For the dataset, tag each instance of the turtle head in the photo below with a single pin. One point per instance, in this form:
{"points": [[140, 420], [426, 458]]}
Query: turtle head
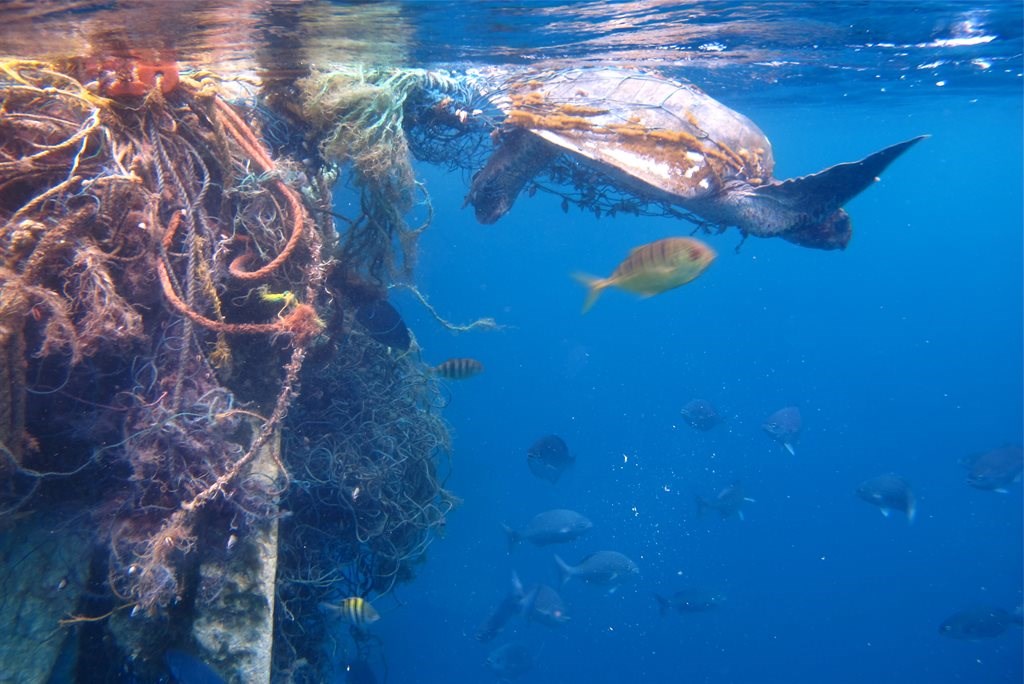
{"points": [[833, 232], [518, 158], [490, 199]]}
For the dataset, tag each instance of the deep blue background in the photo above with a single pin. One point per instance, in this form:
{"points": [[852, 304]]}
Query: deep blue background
{"points": [[903, 354]]}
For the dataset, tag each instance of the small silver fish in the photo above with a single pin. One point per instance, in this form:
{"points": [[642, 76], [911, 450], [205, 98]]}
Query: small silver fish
{"points": [[609, 568], [995, 470], [550, 527], [548, 458], [688, 600], [728, 502], [784, 427], [979, 622], [511, 661], [890, 493], [700, 415]]}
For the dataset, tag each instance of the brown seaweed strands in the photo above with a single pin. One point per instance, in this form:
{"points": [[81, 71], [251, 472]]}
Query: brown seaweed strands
{"points": [[532, 111]]}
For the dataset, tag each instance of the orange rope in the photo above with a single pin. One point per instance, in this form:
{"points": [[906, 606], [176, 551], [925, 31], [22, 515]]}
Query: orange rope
{"points": [[302, 323], [243, 135], [247, 140]]}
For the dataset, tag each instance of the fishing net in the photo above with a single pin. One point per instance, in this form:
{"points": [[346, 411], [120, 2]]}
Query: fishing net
{"points": [[133, 235], [163, 283], [358, 115], [367, 496]]}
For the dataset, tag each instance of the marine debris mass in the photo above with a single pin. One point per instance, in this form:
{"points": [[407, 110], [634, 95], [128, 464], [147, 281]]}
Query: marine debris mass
{"points": [[201, 365], [190, 366]]}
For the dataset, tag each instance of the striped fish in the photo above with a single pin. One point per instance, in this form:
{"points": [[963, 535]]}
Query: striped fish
{"points": [[459, 369], [653, 268], [354, 609]]}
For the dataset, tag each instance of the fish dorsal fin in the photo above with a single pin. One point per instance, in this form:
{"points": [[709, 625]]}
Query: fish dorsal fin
{"points": [[820, 194]]}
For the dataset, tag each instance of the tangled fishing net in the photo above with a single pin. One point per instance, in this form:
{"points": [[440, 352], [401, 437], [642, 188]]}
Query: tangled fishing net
{"points": [[164, 280], [366, 495], [359, 115], [130, 234]]}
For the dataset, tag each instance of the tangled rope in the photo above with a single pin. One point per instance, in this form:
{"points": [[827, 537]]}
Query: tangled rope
{"points": [[89, 182]]}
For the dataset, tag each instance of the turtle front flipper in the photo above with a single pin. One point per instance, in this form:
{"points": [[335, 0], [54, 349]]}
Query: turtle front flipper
{"points": [[820, 194], [520, 156], [808, 210]]}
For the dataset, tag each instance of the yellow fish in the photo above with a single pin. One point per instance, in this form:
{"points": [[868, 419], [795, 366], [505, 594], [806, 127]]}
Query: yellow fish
{"points": [[354, 609], [653, 268]]}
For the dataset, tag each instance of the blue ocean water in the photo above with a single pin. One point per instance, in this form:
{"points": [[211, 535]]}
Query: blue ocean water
{"points": [[904, 353]]}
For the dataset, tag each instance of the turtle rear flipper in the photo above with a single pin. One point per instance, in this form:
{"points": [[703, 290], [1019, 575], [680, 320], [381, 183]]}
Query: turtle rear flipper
{"points": [[820, 194]]}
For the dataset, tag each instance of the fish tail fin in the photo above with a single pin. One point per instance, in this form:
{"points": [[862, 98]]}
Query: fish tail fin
{"points": [[911, 508], [594, 287], [564, 571], [513, 537], [663, 604]]}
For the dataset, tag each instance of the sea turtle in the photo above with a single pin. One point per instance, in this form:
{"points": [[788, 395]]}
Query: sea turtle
{"points": [[667, 141]]}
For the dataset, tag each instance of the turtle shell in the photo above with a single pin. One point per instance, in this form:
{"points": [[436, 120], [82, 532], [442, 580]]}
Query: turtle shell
{"points": [[661, 137]]}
